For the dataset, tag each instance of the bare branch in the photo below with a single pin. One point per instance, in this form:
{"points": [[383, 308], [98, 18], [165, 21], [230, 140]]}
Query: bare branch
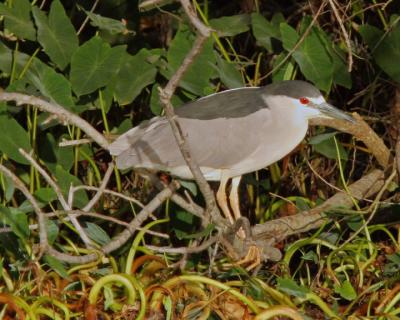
{"points": [[165, 97], [120, 239], [194, 19], [40, 215], [101, 189], [185, 250], [63, 115], [57, 190]]}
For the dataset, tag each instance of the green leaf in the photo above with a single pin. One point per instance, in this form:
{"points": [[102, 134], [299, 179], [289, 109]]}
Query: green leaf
{"points": [[93, 66], [286, 69], [197, 78], [321, 137], [65, 180], [228, 73], [9, 188], [371, 35], [56, 34], [17, 19], [289, 286], [135, 74], [387, 52], [264, 31], [327, 148], [56, 265], [346, 291], [311, 56], [97, 234], [231, 26], [189, 185], [13, 137], [51, 84], [111, 25], [45, 195], [53, 155], [341, 75], [52, 231], [10, 59], [17, 220]]}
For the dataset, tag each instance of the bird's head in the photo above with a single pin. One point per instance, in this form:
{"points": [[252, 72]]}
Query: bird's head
{"points": [[307, 98]]}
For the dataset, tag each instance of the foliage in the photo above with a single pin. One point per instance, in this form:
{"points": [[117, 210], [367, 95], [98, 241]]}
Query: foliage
{"points": [[109, 73]]}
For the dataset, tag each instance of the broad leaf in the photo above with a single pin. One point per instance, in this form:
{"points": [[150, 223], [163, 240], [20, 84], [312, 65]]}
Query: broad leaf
{"points": [[56, 34], [231, 26], [264, 31], [93, 66], [54, 155], [51, 84], [13, 137], [310, 55], [17, 19], [327, 148], [135, 74], [197, 78], [385, 50], [228, 73], [56, 265], [346, 290], [111, 25], [289, 286], [17, 221], [65, 180], [97, 234]]}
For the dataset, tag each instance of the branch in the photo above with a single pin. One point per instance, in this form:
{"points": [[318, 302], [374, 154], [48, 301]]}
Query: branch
{"points": [[124, 236], [40, 215], [279, 229], [165, 98], [63, 115], [88, 243], [361, 131]]}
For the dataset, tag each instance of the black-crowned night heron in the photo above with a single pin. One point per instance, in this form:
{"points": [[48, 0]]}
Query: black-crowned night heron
{"points": [[229, 134]]}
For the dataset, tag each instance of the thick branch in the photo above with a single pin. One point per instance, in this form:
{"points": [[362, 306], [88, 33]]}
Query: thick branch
{"points": [[361, 131], [281, 228]]}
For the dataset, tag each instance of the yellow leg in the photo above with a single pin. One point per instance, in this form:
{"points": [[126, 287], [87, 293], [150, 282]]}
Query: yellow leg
{"points": [[234, 197], [221, 199]]}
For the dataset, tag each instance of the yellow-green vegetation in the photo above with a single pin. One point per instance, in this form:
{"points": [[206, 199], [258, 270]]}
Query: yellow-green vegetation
{"points": [[81, 239]]}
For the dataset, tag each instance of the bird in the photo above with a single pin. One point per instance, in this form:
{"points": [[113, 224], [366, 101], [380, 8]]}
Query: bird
{"points": [[229, 133]]}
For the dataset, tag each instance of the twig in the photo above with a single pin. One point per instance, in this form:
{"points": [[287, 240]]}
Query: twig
{"points": [[111, 192], [345, 34], [44, 245], [63, 115], [86, 240], [185, 250], [87, 18], [121, 238], [204, 30], [101, 189], [69, 143], [165, 97], [150, 4]]}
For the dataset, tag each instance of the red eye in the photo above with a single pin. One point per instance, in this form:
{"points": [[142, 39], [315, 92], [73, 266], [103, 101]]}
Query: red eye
{"points": [[304, 100]]}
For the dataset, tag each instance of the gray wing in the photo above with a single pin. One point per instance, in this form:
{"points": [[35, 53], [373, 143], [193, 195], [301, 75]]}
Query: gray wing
{"points": [[233, 103], [218, 137]]}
